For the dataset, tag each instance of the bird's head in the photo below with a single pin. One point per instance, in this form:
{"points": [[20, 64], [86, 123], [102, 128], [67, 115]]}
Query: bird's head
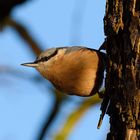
{"points": [[46, 60]]}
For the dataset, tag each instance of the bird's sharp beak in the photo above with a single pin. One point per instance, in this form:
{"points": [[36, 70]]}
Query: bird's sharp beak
{"points": [[32, 64]]}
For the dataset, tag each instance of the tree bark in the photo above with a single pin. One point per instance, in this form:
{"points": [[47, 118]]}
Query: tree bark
{"points": [[122, 95]]}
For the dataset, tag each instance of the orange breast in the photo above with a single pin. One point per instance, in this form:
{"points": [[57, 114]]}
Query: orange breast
{"points": [[75, 72]]}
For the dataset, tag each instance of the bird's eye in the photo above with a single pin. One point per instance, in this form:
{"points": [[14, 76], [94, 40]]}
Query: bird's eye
{"points": [[46, 58]]}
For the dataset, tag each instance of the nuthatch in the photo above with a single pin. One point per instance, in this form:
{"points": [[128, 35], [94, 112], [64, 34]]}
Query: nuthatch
{"points": [[74, 70]]}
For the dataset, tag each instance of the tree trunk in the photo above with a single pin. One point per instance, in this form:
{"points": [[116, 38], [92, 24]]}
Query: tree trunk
{"points": [[122, 95]]}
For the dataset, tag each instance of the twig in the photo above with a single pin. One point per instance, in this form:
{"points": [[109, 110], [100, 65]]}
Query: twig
{"points": [[24, 34]]}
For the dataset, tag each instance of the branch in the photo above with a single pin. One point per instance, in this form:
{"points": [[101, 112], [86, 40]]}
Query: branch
{"points": [[59, 98], [24, 34]]}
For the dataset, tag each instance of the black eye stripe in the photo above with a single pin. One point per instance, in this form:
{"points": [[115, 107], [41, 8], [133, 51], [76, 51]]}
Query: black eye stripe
{"points": [[46, 58]]}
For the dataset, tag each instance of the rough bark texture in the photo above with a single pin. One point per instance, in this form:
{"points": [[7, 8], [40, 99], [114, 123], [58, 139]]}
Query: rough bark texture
{"points": [[122, 96]]}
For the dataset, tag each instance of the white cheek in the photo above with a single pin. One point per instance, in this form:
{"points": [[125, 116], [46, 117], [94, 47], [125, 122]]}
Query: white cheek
{"points": [[40, 67], [43, 67]]}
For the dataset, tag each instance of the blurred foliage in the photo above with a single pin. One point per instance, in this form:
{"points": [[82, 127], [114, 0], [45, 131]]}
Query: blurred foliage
{"points": [[75, 116], [6, 7]]}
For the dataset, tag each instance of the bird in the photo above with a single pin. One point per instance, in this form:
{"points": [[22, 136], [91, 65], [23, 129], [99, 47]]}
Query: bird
{"points": [[75, 70]]}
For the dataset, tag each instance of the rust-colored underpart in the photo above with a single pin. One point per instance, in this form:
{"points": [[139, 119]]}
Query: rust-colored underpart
{"points": [[122, 95]]}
